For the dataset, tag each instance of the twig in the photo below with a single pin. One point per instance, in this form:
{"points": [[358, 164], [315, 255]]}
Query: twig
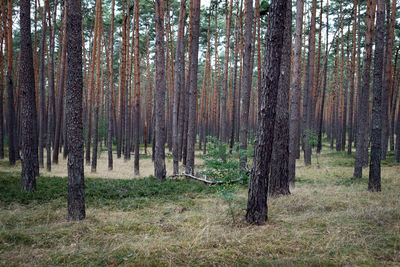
{"points": [[208, 182]]}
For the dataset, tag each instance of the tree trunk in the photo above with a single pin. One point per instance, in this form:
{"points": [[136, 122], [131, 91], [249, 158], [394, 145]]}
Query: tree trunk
{"points": [[29, 146], [42, 93], [363, 108], [279, 178], [137, 87], [387, 75], [351, 78], [294, 120], [11, 123], [179, 83], [246, 83], [110, 62], [193, 64], [309, 83], [374, 183], [159, 100], [257, 211], [76, 187]]}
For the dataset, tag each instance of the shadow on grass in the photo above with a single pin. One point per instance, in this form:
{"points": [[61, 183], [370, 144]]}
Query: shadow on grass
{"points": [[101, 192]]}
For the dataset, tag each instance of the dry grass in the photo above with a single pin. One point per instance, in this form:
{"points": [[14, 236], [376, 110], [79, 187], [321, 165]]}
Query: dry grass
{"points": [[121, 169], [329, 219]]}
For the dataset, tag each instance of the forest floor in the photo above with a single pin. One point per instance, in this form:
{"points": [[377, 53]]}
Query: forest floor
{"points": [[329, 219]]}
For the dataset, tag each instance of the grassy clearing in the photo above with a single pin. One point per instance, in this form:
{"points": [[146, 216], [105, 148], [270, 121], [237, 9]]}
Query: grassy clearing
{"points": [[330, 219]]}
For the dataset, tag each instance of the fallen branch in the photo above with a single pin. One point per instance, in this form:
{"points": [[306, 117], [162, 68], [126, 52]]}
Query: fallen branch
{"points": [[208, 182]]}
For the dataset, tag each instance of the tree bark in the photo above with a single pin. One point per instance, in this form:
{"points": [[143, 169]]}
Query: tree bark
{"points": [[257, 210], [279, 178], [294, 120], [374, 182], [159, 100], [76, 186], [193, 65], [29, 149], [363, 108], [246, 83]]}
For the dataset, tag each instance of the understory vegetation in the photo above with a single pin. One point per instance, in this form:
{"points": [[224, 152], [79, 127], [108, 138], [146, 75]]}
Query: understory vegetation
{"points": [[329, 219]]}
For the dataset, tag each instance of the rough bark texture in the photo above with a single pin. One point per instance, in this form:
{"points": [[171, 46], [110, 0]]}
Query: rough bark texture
{"points": [[76, 191], [179, 84], [246, 82], [42, 93], [351, 78], [363, 107], [294, 120], [29, 149], [110, 90], [137, 88], [192, 109], [11, 123], [308, 89], [374, 183], [387, 76], [159, 100], [257, 211], [279, 178]]}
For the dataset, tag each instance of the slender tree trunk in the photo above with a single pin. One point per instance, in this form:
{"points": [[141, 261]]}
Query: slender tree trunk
{"points": [[42, 93], [374, 183], [279, 178], [159, 156], [224, 114], [179, 83], [193, 65], [387, 75], [246, 83], [76, 186], [2, 37], [11, 123], [60, 97], [351, 78], [110, 89], [137, 87], [321, 116], [257, 211], [363, 109], [97, 86], [309, 82], [294, 117], [29, 149]]}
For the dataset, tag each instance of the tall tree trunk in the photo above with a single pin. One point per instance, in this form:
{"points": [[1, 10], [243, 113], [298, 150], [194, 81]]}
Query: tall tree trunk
{"points": [[42, 93], [159, 99], [110, 62], [321, 115], [294, 117], [76, 186], [257, 211], [387, 75], [60, 97], [279, 178], [29, 146], [51, 108], [179, 83], [193, 64], [137, 87], [2, 37], [11, 123], [246, 83], [363, 108], [351, 78], [374, 183], [97, 86], [224, 114], [309, 83]]}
